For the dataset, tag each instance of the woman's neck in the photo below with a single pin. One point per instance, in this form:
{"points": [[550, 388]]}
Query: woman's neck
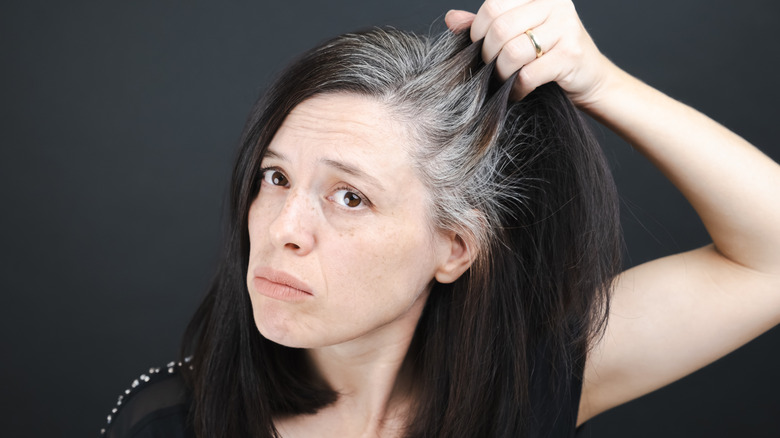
{"points": [[373, 380]]}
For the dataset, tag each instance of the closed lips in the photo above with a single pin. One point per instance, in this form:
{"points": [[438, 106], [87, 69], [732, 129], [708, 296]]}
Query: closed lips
{"points": [[282, 278]]}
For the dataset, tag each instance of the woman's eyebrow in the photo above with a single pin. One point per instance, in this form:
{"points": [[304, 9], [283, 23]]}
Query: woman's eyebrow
{"points": [[338, 165], [352, 170], [272, 154]]}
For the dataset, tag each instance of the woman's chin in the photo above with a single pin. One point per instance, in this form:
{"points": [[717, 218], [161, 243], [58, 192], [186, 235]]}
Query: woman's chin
{"points": [[285, 330]]}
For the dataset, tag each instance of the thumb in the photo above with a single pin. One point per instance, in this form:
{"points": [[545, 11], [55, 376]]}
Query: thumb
{"points": [[458, 20]]}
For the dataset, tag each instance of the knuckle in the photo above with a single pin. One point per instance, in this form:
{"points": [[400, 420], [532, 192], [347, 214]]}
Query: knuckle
{"points": [[491, 8], [501, 29], [571, 22], [526, 77], [576, 51], [565, 12], [571, 49], [515, 52]]}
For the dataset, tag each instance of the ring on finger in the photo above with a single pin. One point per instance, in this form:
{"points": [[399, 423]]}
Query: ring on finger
{"points": [[537, 47]]}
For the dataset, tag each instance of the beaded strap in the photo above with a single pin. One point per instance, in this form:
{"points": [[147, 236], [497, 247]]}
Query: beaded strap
{"points": [[171, 368]]}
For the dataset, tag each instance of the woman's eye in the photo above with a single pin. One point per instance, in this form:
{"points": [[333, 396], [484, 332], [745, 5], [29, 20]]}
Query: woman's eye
{"points": [[347, 198], [275, 177]]}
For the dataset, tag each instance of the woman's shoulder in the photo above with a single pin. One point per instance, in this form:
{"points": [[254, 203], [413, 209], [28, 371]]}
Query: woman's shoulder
{"points": [[155, 405]]}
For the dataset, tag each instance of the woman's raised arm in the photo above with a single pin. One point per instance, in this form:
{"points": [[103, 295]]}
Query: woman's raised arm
{"points": [[674, 315]]}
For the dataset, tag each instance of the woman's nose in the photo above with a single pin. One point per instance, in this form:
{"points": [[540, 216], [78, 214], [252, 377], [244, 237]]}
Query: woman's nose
{"points": [[293, 227]]}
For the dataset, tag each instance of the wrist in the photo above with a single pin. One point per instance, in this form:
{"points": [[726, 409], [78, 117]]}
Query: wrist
{"points": [[611, 85]]}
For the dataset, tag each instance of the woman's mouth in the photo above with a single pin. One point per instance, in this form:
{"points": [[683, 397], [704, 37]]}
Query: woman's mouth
{"points": [[280, 285]]}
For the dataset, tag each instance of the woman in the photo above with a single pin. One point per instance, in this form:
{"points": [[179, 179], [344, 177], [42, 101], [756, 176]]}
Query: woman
{"points": [[415, 254]]}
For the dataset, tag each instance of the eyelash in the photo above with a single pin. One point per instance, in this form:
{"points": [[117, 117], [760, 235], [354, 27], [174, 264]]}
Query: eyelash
{"points": [[363, 198]]}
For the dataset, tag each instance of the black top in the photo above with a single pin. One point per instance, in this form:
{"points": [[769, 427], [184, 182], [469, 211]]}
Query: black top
{"points": [[157, 405]]}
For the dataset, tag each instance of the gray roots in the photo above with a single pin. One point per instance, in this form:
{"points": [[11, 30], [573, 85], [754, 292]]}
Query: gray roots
{"points": [[453, 120]]}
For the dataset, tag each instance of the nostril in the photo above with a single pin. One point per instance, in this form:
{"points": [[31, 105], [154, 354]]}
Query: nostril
{"points": [[293, 246]]}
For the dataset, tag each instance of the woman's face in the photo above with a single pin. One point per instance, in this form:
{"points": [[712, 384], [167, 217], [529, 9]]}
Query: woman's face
{"points": [[340, 244]]}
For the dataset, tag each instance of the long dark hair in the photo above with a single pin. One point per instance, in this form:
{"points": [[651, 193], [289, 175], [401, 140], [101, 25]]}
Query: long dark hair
{"points": [[523, 182]]}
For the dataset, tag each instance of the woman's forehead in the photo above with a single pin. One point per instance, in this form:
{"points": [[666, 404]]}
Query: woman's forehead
{"points": [[349, 114], [342, 123], [356, 131]]}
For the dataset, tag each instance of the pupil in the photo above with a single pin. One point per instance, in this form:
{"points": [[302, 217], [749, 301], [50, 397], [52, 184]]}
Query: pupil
{"points": [[277, 178], [352, 199]]}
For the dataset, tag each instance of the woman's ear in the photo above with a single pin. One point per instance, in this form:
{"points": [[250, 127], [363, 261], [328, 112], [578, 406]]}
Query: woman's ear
{"points": [[457, 256]]}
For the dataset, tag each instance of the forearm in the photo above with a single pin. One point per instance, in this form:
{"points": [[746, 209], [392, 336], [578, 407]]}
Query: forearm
{"points": [[734, 187]]}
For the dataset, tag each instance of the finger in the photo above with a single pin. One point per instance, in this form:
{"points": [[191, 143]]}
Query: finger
{"points": [[511, 24], [520, 50], [537, 73], [458, 20], [488, 12]]}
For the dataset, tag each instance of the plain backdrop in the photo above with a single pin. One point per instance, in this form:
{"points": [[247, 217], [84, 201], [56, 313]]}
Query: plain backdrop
{"points": [[118, 124]]}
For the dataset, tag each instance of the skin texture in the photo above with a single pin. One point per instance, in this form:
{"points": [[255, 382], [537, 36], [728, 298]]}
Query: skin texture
{"points": [[368, 261], [671, 316]]}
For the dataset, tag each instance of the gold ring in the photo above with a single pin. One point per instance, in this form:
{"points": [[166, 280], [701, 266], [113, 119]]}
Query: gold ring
{"points": [[537, 47]]}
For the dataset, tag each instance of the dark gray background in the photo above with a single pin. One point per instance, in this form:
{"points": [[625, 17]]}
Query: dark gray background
{"points": [[119, 122]]}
